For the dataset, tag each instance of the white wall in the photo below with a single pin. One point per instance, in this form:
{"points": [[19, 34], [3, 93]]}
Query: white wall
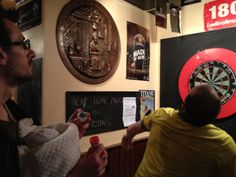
{"points": [[192, 18], [57, 79]]}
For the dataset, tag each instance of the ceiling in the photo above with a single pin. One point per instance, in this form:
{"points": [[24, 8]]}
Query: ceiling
{"points": [[149, 5], [146, 5], [143, 4]]}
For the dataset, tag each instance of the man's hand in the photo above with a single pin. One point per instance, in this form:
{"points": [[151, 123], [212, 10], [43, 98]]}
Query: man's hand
{"points": [[127, 142], [82, 120], [92, 164], [132, 130]]}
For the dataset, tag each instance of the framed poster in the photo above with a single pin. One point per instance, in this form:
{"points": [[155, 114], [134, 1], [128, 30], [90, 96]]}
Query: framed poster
{"points": [[138, 52], [147, 102]]}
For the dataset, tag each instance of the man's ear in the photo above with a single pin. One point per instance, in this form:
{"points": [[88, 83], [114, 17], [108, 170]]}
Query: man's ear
{"points": [[3, 56]]}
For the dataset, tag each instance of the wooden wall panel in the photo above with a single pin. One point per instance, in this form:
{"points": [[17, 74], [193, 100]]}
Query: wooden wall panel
{"points": [[123, 163]]}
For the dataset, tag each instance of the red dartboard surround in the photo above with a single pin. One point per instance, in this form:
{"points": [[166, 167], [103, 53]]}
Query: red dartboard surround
{"points": [[215, 67]]}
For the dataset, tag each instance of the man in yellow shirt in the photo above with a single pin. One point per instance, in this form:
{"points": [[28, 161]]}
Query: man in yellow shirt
{"points": [[184, 143]]}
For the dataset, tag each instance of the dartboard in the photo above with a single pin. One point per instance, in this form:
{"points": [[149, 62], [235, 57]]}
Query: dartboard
{"points": [[215, 67], [216, 74]]}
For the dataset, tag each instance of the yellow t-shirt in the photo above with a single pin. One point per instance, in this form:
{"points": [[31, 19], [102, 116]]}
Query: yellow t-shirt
{"points": [[178, 149]]}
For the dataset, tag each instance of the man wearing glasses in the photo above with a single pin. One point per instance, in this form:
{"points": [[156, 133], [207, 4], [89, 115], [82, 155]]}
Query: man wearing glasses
{"points": [[16, 67]]}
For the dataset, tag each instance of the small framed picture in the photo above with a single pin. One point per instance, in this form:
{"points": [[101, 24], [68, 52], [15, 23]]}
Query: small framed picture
{"points": [[29, 14], [147, 102]]}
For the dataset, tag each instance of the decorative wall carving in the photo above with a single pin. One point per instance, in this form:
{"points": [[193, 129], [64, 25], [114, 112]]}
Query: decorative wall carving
{"points": [[88, 41]]}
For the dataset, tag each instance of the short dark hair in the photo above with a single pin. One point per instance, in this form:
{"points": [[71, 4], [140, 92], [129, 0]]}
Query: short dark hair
{"points": [[201, 106], [11, 15]]}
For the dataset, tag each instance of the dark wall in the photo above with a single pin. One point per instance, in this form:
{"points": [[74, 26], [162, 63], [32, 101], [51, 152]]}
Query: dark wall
{"points": [[175, 52]]}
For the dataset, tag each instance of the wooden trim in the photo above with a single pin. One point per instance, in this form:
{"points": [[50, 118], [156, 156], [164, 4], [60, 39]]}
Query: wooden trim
{"points": [[123, 163]]}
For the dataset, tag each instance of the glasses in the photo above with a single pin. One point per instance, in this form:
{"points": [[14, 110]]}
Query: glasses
{"points": [[25, 43]]}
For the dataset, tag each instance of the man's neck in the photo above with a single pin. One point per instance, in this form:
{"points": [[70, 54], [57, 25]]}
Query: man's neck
{"points": [[6, 92]]}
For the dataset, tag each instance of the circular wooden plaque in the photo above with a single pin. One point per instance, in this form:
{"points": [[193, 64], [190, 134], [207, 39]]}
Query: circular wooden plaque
{"points": [[88, 41]]}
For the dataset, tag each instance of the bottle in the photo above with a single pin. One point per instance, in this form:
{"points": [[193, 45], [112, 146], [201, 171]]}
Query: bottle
{"points": [[94, 141]]}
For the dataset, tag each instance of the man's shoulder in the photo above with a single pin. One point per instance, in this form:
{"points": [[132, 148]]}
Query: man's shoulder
{"points": [[166, 111], [221, 135]]}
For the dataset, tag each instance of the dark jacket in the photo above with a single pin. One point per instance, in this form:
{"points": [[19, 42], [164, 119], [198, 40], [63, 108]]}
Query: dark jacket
{"points": [[9, 161]]}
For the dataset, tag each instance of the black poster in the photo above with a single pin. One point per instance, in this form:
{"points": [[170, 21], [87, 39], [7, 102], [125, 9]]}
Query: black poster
{"points": [[138, 52], [176, 56]]}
